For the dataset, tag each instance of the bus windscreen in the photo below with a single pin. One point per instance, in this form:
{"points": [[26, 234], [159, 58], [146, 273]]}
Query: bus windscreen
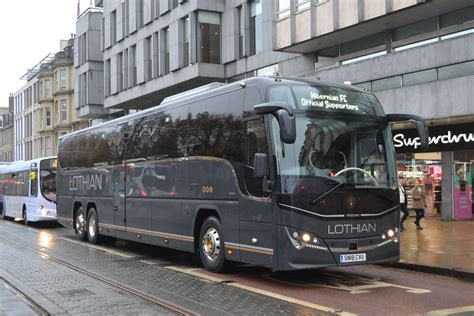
{"points": [[48, 178]]}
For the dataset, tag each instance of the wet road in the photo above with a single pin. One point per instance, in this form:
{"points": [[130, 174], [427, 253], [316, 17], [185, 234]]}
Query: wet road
{"points": [[364, 290]]}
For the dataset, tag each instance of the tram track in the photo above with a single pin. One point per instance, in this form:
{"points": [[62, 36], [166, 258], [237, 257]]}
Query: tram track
{"points": [[178, 310]]}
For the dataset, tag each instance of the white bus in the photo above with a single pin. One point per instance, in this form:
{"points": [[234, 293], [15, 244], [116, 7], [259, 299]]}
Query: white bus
{"points": [[28, 190]]}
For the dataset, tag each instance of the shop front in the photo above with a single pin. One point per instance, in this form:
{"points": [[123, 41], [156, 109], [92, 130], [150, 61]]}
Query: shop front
{"points": [[445, 169]]}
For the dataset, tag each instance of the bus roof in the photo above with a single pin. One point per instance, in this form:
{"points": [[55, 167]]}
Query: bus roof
{"points": [[216, 88], [22, 165]]}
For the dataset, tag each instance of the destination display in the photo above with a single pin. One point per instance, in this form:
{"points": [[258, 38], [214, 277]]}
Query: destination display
{"points": [[327, 99]]}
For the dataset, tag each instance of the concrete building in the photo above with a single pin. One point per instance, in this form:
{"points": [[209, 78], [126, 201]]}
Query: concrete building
{"points": [[152, 49], [6, 132], [417, 56], [44, 108]]}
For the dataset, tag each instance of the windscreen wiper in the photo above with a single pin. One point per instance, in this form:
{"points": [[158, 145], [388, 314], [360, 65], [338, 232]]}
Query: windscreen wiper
{"points": [[316, 199]]}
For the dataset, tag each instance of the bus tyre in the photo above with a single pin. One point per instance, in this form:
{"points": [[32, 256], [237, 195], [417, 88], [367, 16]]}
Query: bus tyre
{"points": [[92, 226], [24, 216], [211, 244], [80, 224]]}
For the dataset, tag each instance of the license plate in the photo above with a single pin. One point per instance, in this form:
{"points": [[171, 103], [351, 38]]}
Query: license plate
{"points": [[352, 257]]}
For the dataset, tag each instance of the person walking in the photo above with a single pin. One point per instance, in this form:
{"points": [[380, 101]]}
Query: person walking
{"points": [[419, 202], [403, 202]]}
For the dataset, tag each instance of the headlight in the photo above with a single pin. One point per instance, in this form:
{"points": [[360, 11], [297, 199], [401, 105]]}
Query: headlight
{"points": [[304, 237], [390, 233]]}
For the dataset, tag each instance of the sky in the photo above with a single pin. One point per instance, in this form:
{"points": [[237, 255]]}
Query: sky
{"points": [[30, 30]]}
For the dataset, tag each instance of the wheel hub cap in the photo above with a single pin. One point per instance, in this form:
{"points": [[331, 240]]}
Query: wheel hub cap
{"points": [[92, 227], [211, 243], [80, 223]]}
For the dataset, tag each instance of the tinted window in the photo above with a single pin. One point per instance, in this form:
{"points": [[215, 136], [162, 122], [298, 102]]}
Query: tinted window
{"points": [[255, 142], [215, 125]]}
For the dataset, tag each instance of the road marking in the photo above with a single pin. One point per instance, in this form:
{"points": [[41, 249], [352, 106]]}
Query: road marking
{"points": [[352, 283], [195, 272], [452, 311]]}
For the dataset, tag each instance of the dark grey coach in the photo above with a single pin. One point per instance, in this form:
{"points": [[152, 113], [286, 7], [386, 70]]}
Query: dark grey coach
{"points": [[284, 173]]}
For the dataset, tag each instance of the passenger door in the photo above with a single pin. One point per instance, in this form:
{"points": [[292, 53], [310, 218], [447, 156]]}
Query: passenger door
{"points": [[119, 178]]}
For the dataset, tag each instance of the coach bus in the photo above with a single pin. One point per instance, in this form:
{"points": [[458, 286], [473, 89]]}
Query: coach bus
{"points": [[284, 173], [28, 190]]}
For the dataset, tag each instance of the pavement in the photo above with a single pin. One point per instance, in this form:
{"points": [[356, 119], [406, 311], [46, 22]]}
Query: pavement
{"points": [[442, 247]]}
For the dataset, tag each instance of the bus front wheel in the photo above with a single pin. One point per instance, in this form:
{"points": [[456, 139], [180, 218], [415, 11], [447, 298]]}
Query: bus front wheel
{"points": [[92, 226], [80, 224], [211, 244]]}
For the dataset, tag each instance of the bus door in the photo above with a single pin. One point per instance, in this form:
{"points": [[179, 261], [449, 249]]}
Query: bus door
{"points": [[119, 196], [120, 178]]}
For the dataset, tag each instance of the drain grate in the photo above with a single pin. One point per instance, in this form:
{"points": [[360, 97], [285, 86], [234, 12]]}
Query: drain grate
{"points": [[14, 302], [75, 293]]}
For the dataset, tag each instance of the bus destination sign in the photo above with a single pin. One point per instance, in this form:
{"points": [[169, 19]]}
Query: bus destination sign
{"points": [[327, 101]]}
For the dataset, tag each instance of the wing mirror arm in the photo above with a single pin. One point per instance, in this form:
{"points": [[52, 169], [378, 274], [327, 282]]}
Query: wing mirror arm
{"points": [[419, 123], [285, 116]]}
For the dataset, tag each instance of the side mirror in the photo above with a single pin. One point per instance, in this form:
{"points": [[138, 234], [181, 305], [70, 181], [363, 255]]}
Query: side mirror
{"points": [[260, 162], [284, 114], [419, 123]]}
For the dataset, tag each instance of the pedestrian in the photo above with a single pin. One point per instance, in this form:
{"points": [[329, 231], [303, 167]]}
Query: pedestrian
{"points": [[419, 202], [403, 202]]}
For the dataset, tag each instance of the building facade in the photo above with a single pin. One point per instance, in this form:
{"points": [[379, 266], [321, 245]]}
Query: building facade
{"points": [[6, 133], [417, 56], [44, 108], [153, 49]]}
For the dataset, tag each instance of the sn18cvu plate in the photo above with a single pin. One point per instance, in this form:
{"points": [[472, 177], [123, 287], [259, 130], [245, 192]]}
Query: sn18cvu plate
{"points": [[352, 257]]}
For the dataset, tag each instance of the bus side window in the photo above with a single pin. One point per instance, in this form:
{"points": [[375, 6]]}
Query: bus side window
{"points": [[255, 142]]}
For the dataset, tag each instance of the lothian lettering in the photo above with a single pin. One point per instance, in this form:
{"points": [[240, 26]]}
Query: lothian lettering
{"points": [[85, 183], [340, 229]]}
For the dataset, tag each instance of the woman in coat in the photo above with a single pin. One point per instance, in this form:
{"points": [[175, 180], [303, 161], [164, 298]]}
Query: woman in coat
{"points": [[418, 201]]}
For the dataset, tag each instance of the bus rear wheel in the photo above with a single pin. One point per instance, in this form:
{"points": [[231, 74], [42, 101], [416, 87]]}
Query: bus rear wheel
{"points": [[92, 226], [80, 224], [211, 244], [25, 216]]}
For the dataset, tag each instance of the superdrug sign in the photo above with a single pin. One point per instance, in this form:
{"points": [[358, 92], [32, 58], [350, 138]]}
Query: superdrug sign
{"points": [[441, 138]]}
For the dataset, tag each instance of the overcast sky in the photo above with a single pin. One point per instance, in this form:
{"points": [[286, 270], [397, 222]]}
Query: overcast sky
{"points": [[29, 30]]}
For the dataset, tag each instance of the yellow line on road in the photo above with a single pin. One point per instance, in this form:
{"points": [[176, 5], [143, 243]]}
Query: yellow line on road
{"points": [[195, 272], [451, 311]]}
